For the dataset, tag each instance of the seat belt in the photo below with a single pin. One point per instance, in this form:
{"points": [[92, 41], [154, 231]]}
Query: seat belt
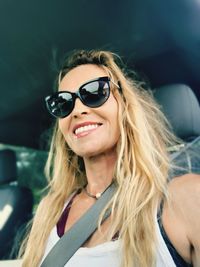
{"points": [[78, 234]]}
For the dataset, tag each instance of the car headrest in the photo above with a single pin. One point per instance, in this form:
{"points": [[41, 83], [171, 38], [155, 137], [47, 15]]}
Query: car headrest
{"points": [[8, 168], [182, 109]]}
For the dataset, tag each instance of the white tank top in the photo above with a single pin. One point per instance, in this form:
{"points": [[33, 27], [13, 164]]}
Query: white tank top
{"points": [[108, 254]]}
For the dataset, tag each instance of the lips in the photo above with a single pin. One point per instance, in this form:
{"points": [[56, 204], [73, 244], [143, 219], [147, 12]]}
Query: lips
{"points": [[86, 127]]}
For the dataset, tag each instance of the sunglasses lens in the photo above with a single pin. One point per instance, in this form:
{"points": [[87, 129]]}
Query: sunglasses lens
{"points": [[60, 105], [96, 93], [93, 94]]}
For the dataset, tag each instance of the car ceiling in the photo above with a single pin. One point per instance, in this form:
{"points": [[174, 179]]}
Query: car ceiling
{"points": [[160, 39]]}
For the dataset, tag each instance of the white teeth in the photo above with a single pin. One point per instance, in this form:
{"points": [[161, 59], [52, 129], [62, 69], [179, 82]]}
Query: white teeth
{"points": [[86, 128]]}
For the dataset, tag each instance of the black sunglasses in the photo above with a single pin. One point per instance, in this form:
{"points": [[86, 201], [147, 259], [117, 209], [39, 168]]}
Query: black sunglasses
{"points": [[92, 94]]}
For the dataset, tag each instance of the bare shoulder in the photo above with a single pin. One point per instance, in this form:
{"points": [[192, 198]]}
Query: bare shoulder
{"points": [[185, 189], [184, 194], [189, 179]]}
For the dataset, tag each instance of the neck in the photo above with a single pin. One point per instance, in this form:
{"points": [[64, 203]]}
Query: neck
{"points": [[99, 172]]}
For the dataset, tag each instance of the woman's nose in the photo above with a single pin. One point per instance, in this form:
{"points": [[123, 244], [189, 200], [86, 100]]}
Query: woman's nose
{"points": [[80, 109]]}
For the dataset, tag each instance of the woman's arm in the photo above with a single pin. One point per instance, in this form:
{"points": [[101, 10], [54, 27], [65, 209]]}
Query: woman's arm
{"points": [[181, 217]]}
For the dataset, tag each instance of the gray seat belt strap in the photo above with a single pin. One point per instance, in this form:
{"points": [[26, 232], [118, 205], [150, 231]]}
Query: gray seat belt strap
{"points": [[70, 242]]}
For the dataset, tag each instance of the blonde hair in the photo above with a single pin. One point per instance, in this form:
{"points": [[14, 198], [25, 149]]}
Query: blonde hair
{"points": [[141, 169]]}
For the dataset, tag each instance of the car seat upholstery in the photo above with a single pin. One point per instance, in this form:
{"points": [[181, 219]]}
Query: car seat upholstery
{"points": [[182, 109], [15, 202]]}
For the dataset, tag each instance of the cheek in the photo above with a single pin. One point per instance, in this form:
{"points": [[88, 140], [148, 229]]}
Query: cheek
{"points": [[113, 117], [116, 130], [114, 109], [116, 124]]}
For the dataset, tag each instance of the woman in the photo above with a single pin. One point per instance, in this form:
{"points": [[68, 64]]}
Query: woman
{"points": [[112, 130]]}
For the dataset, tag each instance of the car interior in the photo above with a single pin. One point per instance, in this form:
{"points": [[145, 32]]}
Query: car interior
{"points": [[157, 39]]}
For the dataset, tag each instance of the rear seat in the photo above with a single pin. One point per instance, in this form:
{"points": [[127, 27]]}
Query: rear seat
{"points": [[16, 203]]}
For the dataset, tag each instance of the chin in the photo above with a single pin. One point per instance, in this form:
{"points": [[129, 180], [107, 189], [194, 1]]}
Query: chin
{"points": [[88, 150], [88, 154]]}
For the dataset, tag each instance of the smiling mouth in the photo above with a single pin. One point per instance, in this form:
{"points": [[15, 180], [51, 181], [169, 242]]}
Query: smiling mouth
{"points": [[86, 129]]}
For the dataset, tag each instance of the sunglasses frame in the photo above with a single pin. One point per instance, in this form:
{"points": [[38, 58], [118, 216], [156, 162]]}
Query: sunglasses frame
{"points": [[77, 94]]}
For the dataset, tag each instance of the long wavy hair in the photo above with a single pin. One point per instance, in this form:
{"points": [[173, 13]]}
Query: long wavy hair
{"points": [[140, 174]]}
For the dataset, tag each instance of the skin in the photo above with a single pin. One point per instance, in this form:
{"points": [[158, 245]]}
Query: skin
{"points": [[181, 217], [98, 149]]}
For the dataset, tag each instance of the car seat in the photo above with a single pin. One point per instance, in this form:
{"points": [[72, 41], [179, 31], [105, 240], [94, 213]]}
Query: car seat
{"points": [[16, 202], [181, 107]]}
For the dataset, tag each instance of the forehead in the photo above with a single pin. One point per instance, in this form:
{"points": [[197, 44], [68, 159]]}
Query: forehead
{"points": [[80, 75]]}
